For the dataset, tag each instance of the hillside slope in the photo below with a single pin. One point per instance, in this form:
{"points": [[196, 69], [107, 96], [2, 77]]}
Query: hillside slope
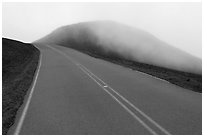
{"points": [[19, 63], [132, 48], [129, 43]]}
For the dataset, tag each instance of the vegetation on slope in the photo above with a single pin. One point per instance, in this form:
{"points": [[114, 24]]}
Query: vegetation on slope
{"points": [[133, 48], [19, 63], [128, 42], [186, 80]]}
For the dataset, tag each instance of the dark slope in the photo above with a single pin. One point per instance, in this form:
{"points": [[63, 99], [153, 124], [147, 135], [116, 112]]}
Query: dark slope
{"points": [[19, 62], [130, 47]]}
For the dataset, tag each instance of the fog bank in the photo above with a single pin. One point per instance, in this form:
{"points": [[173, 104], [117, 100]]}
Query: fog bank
{"points": [[130, 43]]}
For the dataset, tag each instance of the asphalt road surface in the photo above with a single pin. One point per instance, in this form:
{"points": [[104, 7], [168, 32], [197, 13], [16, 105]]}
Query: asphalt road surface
{"points": [[74, 93]]}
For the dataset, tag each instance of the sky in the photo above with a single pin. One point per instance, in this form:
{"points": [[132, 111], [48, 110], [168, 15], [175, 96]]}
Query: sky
{"points": [[178, 24]]}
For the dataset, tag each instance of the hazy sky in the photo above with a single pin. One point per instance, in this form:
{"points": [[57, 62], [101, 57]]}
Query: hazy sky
{"points": [[179, 24]]}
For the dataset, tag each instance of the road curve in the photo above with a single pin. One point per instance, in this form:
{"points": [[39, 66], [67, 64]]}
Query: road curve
{"points": [[78, 94]]}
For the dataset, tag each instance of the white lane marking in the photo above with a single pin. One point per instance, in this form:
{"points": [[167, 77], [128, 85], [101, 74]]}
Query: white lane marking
{"points": [[127, 109], [142, 113], [123, 98], [137, 109], [133, 106], [21, 120]]}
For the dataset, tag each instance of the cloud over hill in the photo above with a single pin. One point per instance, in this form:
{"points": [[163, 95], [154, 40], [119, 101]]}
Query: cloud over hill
{"points": [[109, 38]]}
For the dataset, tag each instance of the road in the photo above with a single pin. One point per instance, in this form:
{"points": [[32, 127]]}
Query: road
{"points": [[78, 94]]}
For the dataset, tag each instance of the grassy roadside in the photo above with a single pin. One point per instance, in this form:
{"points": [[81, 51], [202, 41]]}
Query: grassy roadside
{"points": [[19, 64], [183, 79]]}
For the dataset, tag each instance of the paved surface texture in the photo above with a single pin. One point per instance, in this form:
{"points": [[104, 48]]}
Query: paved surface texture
{"points": [[79, 94]]}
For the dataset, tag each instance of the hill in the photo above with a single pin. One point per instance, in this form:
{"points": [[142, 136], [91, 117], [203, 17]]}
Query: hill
{"points": [[132, 48]]}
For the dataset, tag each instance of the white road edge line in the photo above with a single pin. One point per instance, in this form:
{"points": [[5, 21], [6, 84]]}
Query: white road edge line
{"points": [[21, 120], [149, 75], [137, 109], [133, 106]]}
